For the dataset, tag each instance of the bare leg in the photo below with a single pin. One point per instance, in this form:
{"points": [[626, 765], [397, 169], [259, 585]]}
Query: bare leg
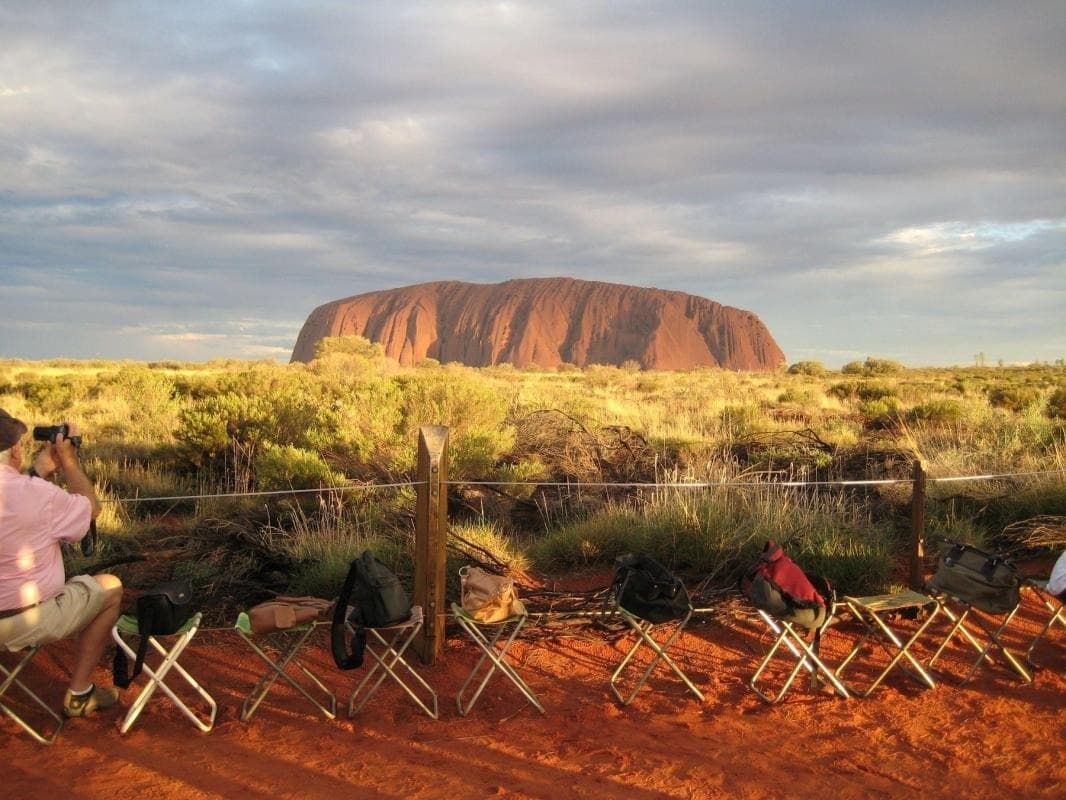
{"points": [[95, 636]]}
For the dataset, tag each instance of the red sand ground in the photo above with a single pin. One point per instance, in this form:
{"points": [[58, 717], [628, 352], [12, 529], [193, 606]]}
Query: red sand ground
{"points": [[995, 737]]}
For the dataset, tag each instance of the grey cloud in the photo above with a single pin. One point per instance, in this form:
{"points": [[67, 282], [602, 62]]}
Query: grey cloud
{"points": [[189, 162]]}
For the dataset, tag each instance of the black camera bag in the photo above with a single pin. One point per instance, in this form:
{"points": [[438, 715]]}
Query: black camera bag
{"points": [[161, 611], [984, 581], [648, 590]]}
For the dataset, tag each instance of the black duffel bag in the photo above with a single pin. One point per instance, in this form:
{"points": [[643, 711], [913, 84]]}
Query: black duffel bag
{"points": [[982, 580]]}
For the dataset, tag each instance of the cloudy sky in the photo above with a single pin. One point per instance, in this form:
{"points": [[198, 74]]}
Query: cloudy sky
{"points": [[188, 180]]}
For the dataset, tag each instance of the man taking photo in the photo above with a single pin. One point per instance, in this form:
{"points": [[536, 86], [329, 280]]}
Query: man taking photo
{"points": [[37, 604]]}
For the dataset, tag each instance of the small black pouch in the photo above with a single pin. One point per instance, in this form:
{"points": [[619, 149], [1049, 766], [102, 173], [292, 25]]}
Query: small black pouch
{"points": [[161, 611]]}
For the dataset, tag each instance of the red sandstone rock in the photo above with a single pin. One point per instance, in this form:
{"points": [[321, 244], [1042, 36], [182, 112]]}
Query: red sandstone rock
{"points": [[547, 322]]}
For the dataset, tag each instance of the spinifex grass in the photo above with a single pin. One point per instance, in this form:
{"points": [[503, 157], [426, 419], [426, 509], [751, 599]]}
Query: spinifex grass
{"points": [[715, 533]]}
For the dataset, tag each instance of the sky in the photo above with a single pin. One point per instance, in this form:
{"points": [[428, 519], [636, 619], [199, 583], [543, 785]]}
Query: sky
{"points": [[189, 180]]}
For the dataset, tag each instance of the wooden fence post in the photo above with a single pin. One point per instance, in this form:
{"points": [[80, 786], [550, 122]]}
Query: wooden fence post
{"points": [[917, 549], [431, 532]]}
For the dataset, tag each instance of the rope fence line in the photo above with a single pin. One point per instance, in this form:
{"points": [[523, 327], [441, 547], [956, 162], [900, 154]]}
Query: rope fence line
{"points": [[603, 485], [354, 487]]}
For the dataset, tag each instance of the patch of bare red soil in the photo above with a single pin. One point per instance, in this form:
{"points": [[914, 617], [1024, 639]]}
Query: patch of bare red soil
{"points": [[995, 737]]}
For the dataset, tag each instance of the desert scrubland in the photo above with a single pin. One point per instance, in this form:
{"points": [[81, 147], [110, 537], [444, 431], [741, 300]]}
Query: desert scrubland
{"points": [[550, 470]]}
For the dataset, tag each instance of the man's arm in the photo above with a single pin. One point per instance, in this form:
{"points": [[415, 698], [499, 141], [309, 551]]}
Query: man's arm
{"points": [[65, 455]]}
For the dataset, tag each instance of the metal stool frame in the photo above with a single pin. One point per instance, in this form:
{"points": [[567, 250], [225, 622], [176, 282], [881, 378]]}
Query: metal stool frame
{"points": [[287, 643], [495, 650], [11, 679], [644, 638], [1054, 605], [392, 649], [128, 624], [992, 637], [868, 611], [806, 658]]}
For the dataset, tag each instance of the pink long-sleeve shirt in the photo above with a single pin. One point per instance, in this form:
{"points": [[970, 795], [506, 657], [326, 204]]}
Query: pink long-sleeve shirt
{"points": [[35, 516]]}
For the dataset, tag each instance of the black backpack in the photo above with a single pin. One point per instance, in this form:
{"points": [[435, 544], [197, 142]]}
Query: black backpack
{"points": [[379, 599], [648, 590], [160, 612]]}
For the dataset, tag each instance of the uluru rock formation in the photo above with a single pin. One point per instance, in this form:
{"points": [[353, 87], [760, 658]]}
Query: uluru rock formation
{"points": [[547, 322]]}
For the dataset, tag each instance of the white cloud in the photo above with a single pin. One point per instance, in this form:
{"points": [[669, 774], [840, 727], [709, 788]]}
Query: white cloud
{"points": [[944, 237]]}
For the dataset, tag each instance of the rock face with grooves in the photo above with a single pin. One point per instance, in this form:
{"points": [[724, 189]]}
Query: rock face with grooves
{"points": [[547, 322]]}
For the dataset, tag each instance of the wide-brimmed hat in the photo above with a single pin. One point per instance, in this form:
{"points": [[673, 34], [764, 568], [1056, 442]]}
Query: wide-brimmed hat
{"points": [[11, 430]]}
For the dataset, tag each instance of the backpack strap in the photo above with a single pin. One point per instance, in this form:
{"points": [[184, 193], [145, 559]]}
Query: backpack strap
{"points": [[88, 541], [120, 664], [342, 656]]}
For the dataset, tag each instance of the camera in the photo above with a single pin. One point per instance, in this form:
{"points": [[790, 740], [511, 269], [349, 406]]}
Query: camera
{"points": [[48, 433]]}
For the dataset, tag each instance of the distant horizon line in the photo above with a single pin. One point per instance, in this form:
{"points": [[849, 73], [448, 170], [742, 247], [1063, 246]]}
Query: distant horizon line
{"points": [[986, 364]]}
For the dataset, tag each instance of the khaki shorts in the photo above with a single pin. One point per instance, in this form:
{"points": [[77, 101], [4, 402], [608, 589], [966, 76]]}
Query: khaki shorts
{"points": [[78, 603]]}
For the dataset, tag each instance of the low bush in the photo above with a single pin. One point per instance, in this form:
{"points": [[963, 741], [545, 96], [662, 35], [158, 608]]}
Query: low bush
{"points": [[876, 391], [847, 390], [1013, 398], [1056, 404], [938, 412], [287, 467], [880, 413], [872, 366], [815, 369]]}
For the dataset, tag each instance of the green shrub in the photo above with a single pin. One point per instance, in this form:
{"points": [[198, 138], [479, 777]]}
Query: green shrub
{"points": [[209, 427], [349, 346], [53, 397], [740, 421], [876, 391], [881, 412], [848, 390], [323, 544], [815, 369], [881, 366], [872, 366], [1056, 404], [360, 419], [799, 397], [1013, 398], [279, 467], [475, 413], [938, 412]]}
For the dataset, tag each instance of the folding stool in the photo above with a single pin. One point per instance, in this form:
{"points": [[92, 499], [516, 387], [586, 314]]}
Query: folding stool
{"points": [[643, 629], [494, 649], [11, 679], [992, 637], [127, 626], [872, 611], [393, 641], [805, 653], [287, 643], [1056, 608]]}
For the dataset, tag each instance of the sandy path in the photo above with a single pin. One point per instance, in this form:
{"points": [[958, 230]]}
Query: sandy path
{"points": [[993, 738]]}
